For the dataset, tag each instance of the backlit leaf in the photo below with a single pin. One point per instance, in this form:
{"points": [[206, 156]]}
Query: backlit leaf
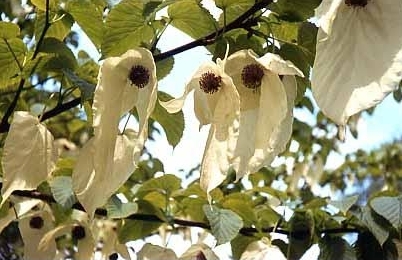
{"points": [[165, 184], [9, 68], [62, 190], [92, 24], [225, 224], [233, 9], [117, 209], [9, 30], [390, 208], [58, 29], [378, 231], [125, 28], [344, 204], [191, 18]]}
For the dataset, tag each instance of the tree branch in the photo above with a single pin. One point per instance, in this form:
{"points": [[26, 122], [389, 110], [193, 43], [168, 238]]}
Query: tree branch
{"points": [[247, 231], [4, 125], [241, 22]]}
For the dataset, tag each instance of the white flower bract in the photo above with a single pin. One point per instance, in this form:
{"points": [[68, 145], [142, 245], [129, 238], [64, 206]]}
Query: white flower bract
{"points": [[265, 123], [219, 108], [29, 156], [108, 159], [358, 56]]}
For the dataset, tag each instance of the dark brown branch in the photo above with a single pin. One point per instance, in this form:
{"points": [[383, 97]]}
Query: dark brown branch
{"points": [[61, 108], [45, 28], [247, 231], [4, 121], [240, 22], [4, 125]]}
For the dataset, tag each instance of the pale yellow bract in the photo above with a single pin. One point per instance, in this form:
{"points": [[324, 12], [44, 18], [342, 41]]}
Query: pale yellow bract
{"points": [[29, 156], [109, 158], [358, 58], [260, 250], [219, 109], [265, 123]]}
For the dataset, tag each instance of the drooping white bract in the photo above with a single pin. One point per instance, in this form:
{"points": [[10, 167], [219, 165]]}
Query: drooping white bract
{"points": [[216, 102], [150, 252], [32, 229], [260, 250], [199, 251], [266, 104], [29, 156], [358, 56], [108, 159], [85, 243]]}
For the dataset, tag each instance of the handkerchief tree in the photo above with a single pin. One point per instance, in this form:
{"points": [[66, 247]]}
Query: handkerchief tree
{"points": [[286, 82]]}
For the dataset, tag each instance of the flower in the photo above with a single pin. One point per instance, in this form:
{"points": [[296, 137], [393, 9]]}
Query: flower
{"points": [[266, 104], [216, 102], [262, 249], [29, 155], [358, 56], [108, 159]]}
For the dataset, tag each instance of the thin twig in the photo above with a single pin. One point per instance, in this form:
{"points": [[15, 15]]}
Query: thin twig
{"points": [[45, 28], [4, 121], [239, 22], [14, 56]]}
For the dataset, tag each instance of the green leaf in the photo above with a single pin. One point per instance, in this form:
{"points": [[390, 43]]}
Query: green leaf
{"points": [[165, 184], [193, 207], [116, 209], [91, 24], [294, 10], [41, 4], [172, 124], [368, 248], [344, 204], [9, 30], [63, 57], [233, 9], [286, 31], [390, 208], [301, 233], [298, 55], [62, 191], [9, 68], [239, 245], [136, 229], [164, 67], [191, 18], [126, 28], [242, 206], [378, 231], [58, 29], [225, 224], [307, 38], [335, 248], [87, 89]]}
